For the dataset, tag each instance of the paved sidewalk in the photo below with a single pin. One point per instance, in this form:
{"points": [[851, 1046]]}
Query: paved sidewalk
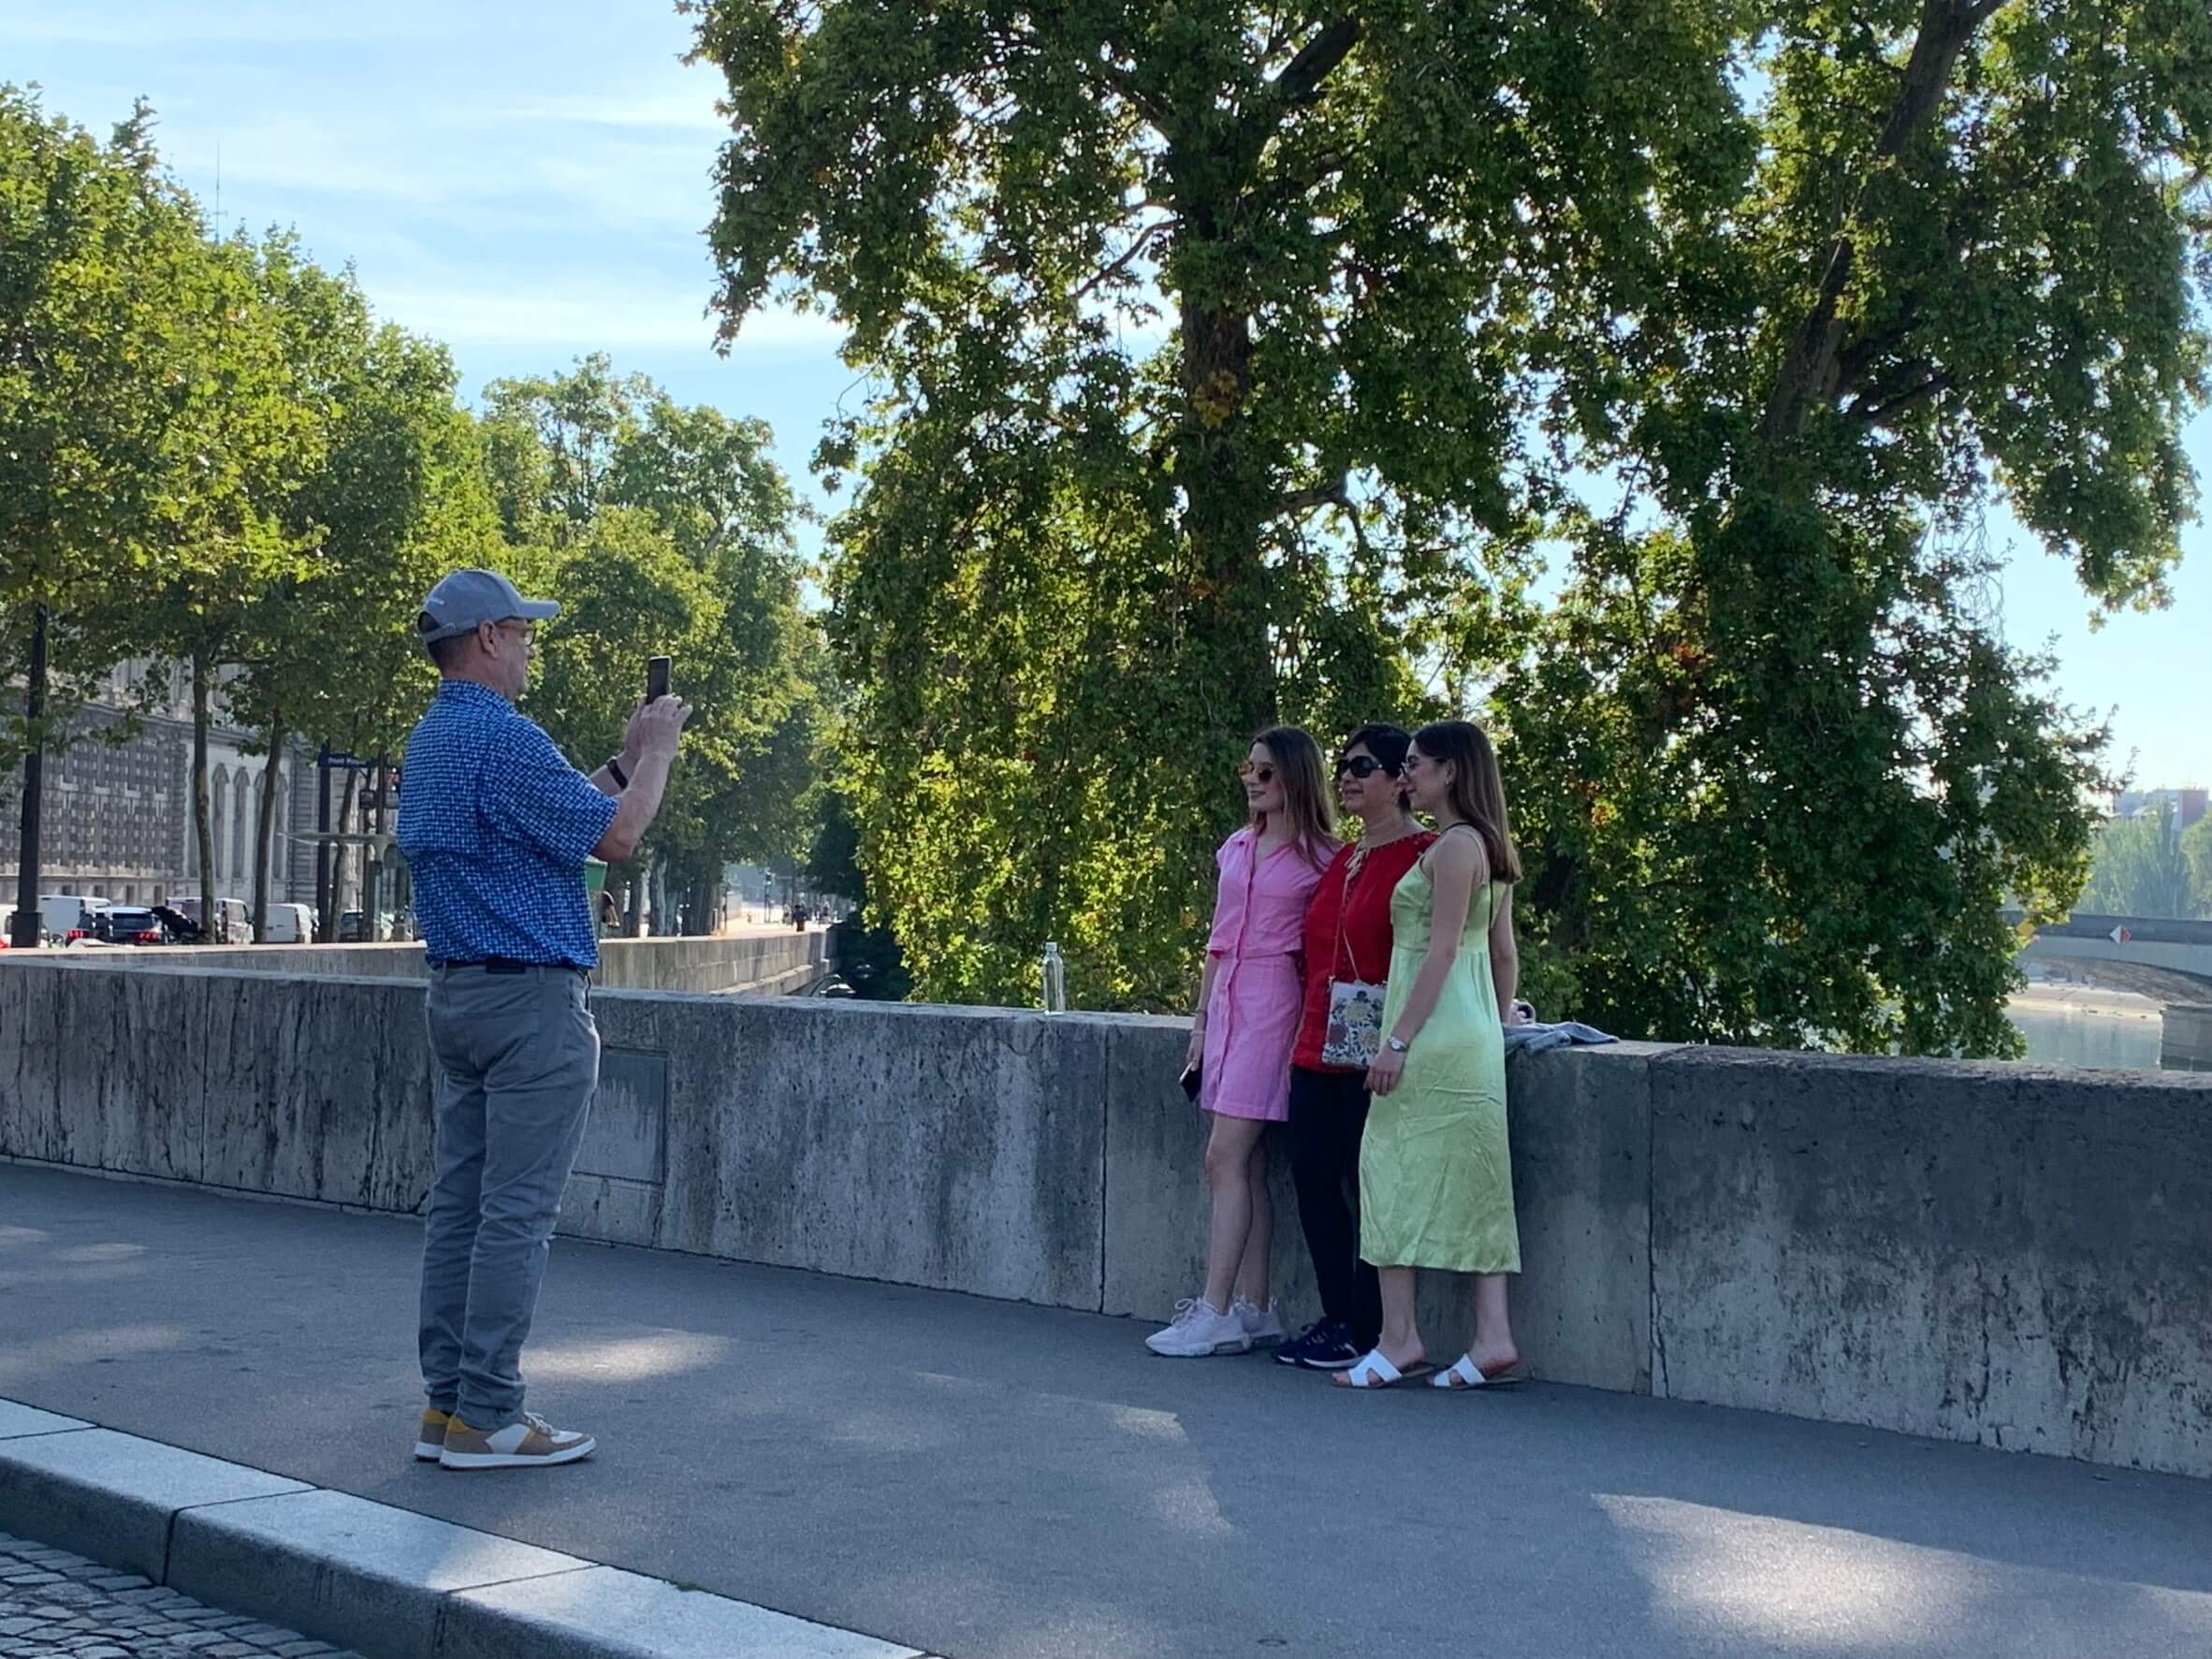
{"points": [[54, 1605], [978, 1479]]}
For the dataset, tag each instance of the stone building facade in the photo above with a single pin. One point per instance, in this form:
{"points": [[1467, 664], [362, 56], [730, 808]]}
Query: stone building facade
{"points": [[117, 823]]}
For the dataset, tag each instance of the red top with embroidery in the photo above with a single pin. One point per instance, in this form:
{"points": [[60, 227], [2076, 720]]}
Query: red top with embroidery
{"points": [[1361, 900]]}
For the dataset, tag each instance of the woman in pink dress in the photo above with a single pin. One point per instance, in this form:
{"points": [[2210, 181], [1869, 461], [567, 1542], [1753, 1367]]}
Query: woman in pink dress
{"points": [[1249, 1003]]}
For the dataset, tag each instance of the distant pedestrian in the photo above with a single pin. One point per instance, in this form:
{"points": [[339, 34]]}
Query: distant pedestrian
{"points": [[497, 827], [1435, 1172], [1347, 962], [1241, 1038]]}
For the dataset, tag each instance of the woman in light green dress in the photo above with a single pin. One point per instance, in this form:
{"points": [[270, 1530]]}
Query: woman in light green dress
{"points": [[1436, 1178]]}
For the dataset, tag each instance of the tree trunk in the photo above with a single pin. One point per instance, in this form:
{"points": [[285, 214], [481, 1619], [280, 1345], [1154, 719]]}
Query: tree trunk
{"points": [[27, 930], [211, 930], [264, 831], [328, 926]]}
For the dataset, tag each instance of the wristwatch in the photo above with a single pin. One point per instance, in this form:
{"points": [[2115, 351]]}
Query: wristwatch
{"points": [[1395, 1044]]}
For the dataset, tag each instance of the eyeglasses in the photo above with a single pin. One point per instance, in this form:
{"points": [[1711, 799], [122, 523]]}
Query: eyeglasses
{"points": [[1262, 773], [1361, 765]]}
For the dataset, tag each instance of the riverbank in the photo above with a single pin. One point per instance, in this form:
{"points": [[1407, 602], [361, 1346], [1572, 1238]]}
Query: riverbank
{"points": [[2052, 996]]}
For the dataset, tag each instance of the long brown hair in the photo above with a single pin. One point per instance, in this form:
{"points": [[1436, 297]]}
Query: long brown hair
{"points": [[1306, 792], [1478, 790]]}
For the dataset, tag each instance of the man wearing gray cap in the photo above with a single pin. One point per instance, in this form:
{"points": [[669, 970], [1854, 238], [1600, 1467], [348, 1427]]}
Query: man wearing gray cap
{"points": [[496, 826]]}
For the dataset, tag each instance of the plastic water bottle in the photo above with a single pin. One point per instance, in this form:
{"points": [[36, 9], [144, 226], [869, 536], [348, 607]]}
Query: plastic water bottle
{"points": [[1056, 981]]}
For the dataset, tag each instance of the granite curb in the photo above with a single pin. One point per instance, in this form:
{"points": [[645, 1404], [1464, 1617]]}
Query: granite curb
{"points": [[383, 1580]]}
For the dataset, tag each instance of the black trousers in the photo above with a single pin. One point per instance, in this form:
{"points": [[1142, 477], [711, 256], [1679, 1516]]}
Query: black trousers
{"points": [[1328, 1116]]}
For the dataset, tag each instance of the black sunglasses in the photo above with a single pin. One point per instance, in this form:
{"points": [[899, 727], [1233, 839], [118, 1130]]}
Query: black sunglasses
{"points": [[1359, 765], [1266, 773]]}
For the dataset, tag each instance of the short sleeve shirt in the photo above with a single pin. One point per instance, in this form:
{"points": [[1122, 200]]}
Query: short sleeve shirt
{"points": [[496, 826], [1348, 933]]}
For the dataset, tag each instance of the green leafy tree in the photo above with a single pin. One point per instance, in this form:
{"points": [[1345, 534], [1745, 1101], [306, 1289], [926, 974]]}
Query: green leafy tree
{"points": [[1777, 767], [1743, 312], [2196, 851], [665, 529], [1094, 555], [2143, 867], [96, 247], [253, 419], [394, 498]]}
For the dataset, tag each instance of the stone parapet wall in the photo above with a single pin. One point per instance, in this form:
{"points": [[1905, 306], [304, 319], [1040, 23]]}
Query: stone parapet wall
{"points": [[762, 964], [2011, 1256]]}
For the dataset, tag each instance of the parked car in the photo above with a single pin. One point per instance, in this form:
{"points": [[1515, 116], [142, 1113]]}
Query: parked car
{"points": [[353, 928], [290, 925], [127, 924]]}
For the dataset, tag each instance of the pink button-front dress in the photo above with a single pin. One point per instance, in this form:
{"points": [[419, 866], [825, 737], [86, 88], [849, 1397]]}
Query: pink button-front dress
{"points": [[1252, 1016]]}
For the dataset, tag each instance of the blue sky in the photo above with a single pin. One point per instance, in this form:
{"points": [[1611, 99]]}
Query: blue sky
{"points": [[528, 182]]}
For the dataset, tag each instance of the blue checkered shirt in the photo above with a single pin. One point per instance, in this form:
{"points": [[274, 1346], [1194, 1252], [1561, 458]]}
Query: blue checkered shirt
{"points": [[496, 826]]}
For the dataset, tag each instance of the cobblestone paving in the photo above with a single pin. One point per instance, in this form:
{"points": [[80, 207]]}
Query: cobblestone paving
{"points": [[58, 1606]]}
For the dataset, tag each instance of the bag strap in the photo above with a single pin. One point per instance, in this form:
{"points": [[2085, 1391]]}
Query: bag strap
{"points": [[1354, 867]]}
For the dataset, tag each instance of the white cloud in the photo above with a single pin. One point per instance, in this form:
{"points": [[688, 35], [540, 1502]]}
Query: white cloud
{"points": [[688, 109]]}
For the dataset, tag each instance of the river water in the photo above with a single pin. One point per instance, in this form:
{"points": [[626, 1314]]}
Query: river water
{"points": [[2069, 1026]]}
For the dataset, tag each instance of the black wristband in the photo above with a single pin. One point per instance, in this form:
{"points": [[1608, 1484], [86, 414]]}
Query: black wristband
{"points": [[615, 767]]}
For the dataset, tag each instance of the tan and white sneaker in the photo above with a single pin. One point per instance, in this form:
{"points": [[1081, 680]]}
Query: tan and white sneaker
{"points": [[429, 1439], [530, 1442]]}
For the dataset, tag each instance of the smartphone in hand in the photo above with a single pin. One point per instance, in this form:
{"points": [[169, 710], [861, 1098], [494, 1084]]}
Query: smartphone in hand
{"points": [[1193, 1079], [659, 671]]}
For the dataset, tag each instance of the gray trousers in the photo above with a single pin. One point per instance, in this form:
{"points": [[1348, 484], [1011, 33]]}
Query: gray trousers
{"points": [[516, 1058]]}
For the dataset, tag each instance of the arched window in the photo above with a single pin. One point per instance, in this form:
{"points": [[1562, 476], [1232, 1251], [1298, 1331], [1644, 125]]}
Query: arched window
{"points": [[239, 828], [218, 804]]}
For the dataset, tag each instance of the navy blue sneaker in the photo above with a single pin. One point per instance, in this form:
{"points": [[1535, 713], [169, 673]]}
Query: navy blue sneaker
{"points": [[1326, 1345]]}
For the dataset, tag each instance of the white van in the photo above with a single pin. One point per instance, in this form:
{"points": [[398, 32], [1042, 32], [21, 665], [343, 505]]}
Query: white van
{"points": [[290, 925], [61, 914]]}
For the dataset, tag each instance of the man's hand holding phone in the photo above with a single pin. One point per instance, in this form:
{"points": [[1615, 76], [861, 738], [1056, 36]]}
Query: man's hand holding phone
{"points": [[657, 726], [660, 674]]}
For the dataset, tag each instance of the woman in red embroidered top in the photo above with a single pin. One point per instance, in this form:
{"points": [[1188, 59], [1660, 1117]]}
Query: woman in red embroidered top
{"points": [[1347, 940], [1241, 1037]]}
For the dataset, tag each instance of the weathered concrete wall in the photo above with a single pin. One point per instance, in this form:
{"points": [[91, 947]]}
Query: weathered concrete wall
{"points": [[759, 965], [2016, 1256]]}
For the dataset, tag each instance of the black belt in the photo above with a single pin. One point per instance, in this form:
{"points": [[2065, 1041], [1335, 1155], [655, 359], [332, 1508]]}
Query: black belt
{"points": [[508, 965]]}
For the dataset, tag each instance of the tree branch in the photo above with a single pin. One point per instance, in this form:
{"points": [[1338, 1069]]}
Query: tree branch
{"points": [[1335, 493], [1122, 263], [1880, 413], [1301, 77]]}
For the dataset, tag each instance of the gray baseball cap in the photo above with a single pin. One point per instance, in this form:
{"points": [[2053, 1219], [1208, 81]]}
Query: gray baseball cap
{"points": [[469, 597]]}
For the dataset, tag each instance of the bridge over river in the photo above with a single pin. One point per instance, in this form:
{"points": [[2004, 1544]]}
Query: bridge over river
{"points": [[2168, 961]]}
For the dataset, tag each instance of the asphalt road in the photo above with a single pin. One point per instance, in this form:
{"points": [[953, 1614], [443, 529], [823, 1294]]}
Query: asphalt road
{"points": [[978, 1479]]}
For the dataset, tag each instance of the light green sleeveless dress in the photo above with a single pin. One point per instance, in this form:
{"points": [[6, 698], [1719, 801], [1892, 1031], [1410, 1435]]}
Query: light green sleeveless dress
{"points": [[1436, 1179]]}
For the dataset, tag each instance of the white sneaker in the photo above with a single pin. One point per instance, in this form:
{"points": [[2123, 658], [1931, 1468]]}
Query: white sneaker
{"points": [[530, 1442], [1263, 1325], [1200, 1329]]}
